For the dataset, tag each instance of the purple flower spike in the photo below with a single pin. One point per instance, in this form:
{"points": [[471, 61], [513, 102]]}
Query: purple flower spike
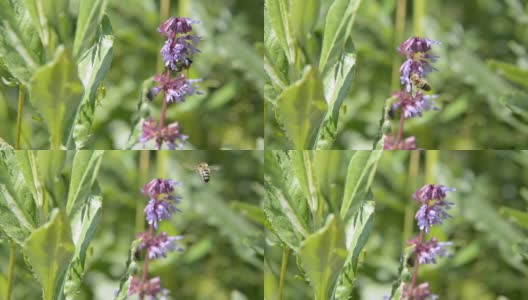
{"points": [[158, 246], [389, 143], [415, 45], [421, 292], [429, 215], [177, 88], [413, 106], [177, 52], [427, 252], [158, 210], [419, 60], [151, 288], [158, 186], [432, 191], [170, 135], [176, 25]]}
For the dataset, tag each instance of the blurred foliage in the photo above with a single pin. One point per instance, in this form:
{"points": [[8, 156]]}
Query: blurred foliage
{"points": [[227, 115], [220, 221], [481, 80], [487, 228]]}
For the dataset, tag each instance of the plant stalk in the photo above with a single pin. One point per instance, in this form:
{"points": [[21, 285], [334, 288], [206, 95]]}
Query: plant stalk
{"points": [[146, 265], [21, 96], [11, 274], [401, 11], [400, 130], [418, 17], [284, 267]]}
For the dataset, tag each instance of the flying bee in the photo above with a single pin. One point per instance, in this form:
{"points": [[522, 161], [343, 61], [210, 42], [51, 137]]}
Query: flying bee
{"points": [[419, 82], [204, 170]]}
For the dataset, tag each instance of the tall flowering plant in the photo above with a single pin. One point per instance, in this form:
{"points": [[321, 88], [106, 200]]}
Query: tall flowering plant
{"points": [[161, 205], [411, 102], [432, 211], [173, 82]]}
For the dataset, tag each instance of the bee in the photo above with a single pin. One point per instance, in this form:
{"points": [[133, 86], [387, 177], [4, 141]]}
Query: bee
{"points": [[419, 82], [204, 170]]}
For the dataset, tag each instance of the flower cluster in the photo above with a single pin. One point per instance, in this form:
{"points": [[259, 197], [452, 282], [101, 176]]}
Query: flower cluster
{"points": [[411, 102], [177, 52], [432, 211], [161, 205]]}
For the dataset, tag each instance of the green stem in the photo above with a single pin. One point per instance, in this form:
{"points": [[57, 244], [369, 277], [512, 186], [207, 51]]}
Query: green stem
{"points": [[11, 274], [21, 96], [284, 267], [401, 10], [418, 17]]}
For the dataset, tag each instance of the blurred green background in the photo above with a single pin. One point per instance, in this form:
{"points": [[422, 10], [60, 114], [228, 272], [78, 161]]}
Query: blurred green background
{"points": [[223, 236], [229, 113], [477, 37], [487, 238]]}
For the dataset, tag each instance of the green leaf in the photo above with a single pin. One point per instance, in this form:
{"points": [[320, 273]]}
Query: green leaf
{"points": [[302, 166], [84, 173], [327, 133], [90, 15], [29, 169], [328, 166], [510, 71], [357, 231], [18, 213], [84, 223], [46, 14], [19, 42], [338, 27], [93, 66], [301, 109], [131, 269], [322, 255], [280, 21], [55, 91], [520, 217], [304, 14], [284, 203], [361, 171], [517, 102], [338, 79], [49, 250]]}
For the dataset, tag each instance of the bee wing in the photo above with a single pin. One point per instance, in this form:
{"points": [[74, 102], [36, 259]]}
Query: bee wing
{"points": [[190, 167], [215, 168]]}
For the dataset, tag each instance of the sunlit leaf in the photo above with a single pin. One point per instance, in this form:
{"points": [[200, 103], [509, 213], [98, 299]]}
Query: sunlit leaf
{"points": [[323, 254], [361, 171], [84, 173], [301, 109], [55, 91], [90, 16], [93, 66], [49, 250], [18, 212]]}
